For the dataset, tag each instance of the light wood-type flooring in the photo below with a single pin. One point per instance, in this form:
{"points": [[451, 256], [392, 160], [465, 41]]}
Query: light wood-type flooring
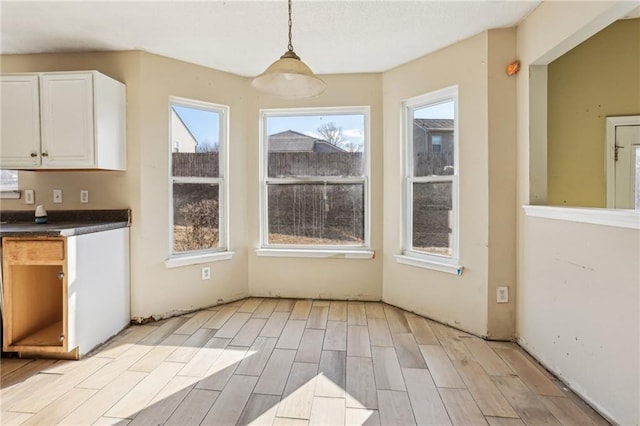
{"points": [[291, 362]]}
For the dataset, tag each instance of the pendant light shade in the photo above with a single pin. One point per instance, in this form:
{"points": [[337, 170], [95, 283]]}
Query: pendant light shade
{"points": [[289, 77]]}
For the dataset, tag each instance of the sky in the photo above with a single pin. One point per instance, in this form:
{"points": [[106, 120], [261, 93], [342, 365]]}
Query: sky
{"points": [[204, 124], [201, 123], [444, 110], [352, 125]]}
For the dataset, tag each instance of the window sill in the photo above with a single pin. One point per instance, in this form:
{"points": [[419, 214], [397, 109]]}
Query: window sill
{"points": [[10, 194], [454, 269], [607, 217], [333, 254], [196, 259]]}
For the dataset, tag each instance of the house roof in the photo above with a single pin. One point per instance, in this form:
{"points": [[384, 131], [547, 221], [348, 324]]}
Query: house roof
{"points": [[434, 123], [292, 141]]}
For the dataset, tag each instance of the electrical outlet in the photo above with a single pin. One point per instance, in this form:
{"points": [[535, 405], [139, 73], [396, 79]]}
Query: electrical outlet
{"points": [[502, 294], [84, 196], [57, 196], [29, 196], [206, 273]]}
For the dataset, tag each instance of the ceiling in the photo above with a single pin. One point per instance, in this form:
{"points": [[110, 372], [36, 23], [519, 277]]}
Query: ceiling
{"points": [[244, 37]]}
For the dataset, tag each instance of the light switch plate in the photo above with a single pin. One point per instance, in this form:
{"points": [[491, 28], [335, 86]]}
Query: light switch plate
{"points": [[206, 273], [57, 196], [29, 196], [84, 196], [502, 294]]}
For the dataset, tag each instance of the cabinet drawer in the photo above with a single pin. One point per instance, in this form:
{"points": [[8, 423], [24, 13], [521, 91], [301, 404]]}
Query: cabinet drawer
{"points": [[33, 250]]}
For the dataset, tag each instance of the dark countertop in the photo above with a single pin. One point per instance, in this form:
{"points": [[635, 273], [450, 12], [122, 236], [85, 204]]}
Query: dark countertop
{"points": [[62, 223]]}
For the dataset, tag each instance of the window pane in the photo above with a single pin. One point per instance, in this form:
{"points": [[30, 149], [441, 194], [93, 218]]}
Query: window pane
{"points": [[316, 214], [316, 145], [195, 135], [433, 139], [432, 218], [8, 180], [196, 216]]}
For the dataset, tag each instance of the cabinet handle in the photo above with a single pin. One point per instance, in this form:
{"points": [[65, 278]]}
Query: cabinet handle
{"points": [[33, 154], [45, 154], [60, 275], [61, 338]]}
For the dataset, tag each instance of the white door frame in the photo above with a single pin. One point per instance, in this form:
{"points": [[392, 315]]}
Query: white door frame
{"points": [[609, 155]]}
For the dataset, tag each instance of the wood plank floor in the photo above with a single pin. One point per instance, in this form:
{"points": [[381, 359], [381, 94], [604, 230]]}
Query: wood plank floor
{"points": [[291, 362]]}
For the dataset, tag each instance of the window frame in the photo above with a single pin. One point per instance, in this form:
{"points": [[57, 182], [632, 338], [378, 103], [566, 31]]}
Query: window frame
{"points": [[307, 250], [11, 192], [409, 255], [221, 252]]}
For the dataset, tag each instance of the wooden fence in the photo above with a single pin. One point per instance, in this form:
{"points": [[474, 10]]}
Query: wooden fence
{"points": [[195, 164], [433, 163], [289, 164], [335, 212], [345, 164]]}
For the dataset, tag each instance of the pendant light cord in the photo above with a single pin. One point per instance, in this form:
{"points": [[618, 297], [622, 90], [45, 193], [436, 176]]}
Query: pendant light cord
{"points": [[290, 47]]}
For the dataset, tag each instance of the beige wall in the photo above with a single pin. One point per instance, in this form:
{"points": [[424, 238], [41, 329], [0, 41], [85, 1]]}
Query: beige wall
{"points": [[486, 137], [156, 289], [319, 278], [580, 310], [596, 79], [597, 301], [502, 182]]}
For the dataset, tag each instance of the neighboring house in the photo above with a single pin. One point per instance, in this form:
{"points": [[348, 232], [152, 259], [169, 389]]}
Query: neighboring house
{"points": [[432, 135], [182, 140], [292, 141]]}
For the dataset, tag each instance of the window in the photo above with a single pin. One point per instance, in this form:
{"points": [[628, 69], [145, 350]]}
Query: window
{"points": [[197, 197], [431, 180], [436, 143], [9, 184], [315, 179], [8, 180]]}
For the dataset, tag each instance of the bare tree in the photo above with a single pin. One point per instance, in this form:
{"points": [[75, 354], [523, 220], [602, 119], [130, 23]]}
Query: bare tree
{"points": [[332, 134], [352, 147], [207, 146]]}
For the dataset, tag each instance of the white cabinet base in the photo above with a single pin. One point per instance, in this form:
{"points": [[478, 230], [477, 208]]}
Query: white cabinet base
{"points": [[65, 296]]}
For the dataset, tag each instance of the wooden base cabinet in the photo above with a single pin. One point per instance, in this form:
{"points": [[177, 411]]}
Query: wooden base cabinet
{"points": [[63, 296]]}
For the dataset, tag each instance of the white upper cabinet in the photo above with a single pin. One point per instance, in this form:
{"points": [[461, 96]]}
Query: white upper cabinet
{"points": [[80, 118], [19, 121]]}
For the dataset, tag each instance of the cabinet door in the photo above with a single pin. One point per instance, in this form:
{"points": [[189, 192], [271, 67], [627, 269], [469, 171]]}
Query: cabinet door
{"points": [[35, 295], [67, 120], [20, 118]]}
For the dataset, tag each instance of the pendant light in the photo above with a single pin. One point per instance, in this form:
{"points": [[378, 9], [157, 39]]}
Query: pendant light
{"points": [[289, 77]]}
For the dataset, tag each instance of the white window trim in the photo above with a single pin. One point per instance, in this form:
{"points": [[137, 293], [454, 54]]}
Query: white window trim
{"points": [[414, 260], [312, 253], [409, 256], [179, 260], [348, 252], [208, 255], [10, 194], [609, 155], [607, 217]]}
